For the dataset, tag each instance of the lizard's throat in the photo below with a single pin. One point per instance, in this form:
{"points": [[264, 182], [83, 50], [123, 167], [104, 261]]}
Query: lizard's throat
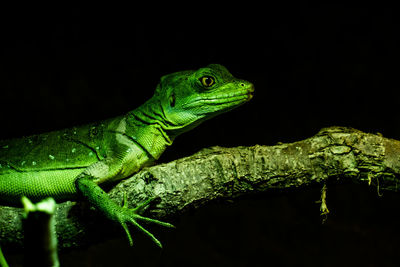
{"points": [[153, 140], [149, 136]]}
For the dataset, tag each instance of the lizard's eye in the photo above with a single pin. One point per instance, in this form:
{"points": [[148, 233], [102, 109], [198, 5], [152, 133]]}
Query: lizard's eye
{"points": [[207, 81]]}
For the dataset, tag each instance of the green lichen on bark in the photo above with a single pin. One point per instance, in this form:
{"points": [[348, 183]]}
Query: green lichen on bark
{"points": [[214, 173]]}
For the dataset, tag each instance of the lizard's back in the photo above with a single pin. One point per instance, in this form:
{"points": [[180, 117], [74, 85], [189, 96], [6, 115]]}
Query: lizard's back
{"points": [[47, 164]]}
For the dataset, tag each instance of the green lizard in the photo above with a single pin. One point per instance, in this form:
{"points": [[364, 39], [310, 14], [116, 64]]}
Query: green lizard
{"points": [[71, 163]]}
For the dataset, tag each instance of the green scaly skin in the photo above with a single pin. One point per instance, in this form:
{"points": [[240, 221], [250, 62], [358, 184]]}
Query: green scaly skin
{"points": [[71, 163]]}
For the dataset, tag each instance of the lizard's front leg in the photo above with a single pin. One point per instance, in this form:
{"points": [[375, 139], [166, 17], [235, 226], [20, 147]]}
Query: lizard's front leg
{"points": [[121, 214]]}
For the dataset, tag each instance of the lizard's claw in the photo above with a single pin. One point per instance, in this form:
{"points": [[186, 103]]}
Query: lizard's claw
{"points": [[125, 215]]}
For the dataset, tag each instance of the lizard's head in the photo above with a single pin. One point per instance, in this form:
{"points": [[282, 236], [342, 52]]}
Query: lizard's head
{"points": [[190, 97]]}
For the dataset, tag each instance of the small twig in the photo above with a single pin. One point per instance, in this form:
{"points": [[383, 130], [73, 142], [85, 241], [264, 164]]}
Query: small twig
{"points": [[324, 211], [40, 237], [3, 262]]}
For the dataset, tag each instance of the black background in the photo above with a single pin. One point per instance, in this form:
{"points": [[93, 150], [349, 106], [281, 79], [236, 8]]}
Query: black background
{"points": [[312, 66]]}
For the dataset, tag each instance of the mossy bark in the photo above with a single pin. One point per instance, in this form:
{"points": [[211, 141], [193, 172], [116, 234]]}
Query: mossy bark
{"points": [[338, 153]]}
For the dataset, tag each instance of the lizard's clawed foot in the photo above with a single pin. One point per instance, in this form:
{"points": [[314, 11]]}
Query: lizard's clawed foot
{"points": [[125, 215]]}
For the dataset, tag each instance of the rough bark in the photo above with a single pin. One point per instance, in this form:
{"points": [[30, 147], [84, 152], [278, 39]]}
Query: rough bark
{"points": [[338, 153]]}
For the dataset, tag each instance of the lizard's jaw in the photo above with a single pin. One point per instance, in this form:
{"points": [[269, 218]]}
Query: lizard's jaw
{"points": [[194, 110], [223, 100]]}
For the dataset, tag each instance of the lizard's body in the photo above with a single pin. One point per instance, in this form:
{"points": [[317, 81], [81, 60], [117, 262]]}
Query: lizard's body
{"points": [[36, 167], [70, 163]]}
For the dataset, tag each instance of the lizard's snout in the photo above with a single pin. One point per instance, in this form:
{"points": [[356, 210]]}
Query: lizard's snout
{"points": [[249, 88]]}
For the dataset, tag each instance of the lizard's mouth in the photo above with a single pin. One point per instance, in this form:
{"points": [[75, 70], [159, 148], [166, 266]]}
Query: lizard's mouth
{"points": [[224, 99], [233, 98]]}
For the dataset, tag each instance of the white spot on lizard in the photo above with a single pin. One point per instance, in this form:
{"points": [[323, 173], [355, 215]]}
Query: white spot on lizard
{"points": [[100, 170], [73, 150], [33, 163], [121, 128], [51, 157]]}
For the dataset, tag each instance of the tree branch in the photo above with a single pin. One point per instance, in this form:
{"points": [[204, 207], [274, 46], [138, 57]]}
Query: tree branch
{"points": [[214, 173]]}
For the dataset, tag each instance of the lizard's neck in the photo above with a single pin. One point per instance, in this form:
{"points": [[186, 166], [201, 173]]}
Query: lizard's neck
{"points": [[145, 128]]}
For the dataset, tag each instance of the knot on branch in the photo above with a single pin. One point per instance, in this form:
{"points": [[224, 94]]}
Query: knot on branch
{"points": [[361, 156]]}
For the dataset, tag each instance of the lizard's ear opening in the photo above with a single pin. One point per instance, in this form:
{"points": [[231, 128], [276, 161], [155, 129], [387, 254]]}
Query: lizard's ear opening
{"points": [[172, 100]]}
